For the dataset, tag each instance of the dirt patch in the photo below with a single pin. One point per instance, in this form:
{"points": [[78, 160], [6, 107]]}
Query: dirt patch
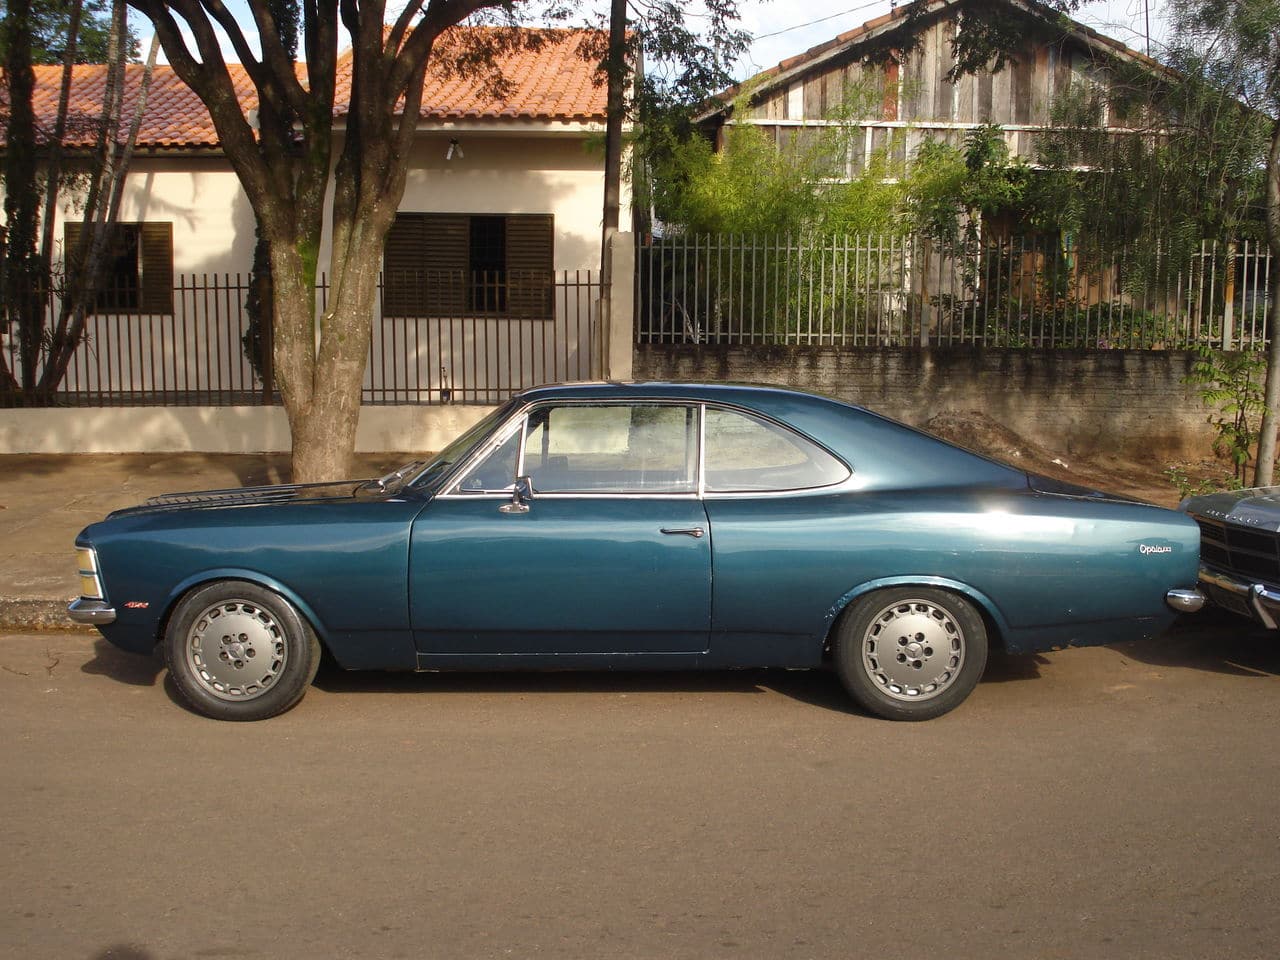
{"points": [[1148, 481]]}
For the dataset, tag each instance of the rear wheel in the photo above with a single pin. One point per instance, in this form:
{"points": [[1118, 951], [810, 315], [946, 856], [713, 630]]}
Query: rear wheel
{"points": [[237, 651], [911, 653]]}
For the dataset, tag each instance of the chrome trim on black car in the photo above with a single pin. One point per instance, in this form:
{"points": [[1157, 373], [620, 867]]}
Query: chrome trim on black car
{"points": [[1185, 601], [1264, 601], [97, 613]]}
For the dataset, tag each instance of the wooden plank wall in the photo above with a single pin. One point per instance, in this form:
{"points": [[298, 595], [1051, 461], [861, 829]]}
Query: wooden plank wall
{"points": [[1020, 94]]}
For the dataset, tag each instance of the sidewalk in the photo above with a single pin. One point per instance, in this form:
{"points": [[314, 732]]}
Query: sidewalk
{"points": [[45, 500]]}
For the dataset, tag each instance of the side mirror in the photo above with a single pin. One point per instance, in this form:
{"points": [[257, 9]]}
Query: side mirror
{"points": [[521, 494]]}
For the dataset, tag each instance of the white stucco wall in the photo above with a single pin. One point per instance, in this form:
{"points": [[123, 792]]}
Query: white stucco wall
{"points": [[201, 196], [531, 170], [416, 429]]}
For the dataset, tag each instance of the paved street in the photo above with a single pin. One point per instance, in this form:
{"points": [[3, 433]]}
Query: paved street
{"points": [[1117, 802]]}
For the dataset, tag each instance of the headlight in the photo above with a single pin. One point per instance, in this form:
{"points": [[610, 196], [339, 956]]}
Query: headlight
{"points": [[90, 583]]}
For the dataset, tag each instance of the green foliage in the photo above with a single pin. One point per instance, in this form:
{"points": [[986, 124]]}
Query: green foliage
{"points": [[1188, 168], [1230, 383], [50, 20], [1195, 488], [753, 185]]}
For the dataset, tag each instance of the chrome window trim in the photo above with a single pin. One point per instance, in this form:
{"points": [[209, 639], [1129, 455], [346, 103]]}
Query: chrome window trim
{"points": [[638, 402], [521, 414], [482, 451], [848, 480], [573, 496]]}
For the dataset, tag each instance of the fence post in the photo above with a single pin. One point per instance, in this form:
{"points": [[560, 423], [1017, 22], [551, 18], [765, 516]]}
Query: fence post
{"points": [[618, 323], [1229, 296]]}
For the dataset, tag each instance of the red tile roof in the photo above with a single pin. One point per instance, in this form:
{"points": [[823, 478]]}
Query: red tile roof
{"points": [[555, 82]]}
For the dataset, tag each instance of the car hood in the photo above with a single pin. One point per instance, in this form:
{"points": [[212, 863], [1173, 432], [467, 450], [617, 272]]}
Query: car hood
{"points": [[258, 496], [1258, 507]]}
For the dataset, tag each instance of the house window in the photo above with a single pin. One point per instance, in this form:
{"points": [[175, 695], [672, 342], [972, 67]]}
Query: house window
{"points": [[462, 265], [137, 267]]}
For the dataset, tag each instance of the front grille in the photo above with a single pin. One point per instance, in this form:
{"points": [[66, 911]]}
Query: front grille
{"points": [[1254, 554]]}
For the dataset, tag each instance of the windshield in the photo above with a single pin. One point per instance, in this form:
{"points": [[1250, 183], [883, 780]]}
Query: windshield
{"points": [[439, 465]]}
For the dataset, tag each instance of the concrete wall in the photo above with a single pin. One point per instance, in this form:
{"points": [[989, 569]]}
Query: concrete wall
{"points": [[414, 429], [1133, 403]]}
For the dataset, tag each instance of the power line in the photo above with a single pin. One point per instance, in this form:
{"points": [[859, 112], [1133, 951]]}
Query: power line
{"points": [[801, 26]]}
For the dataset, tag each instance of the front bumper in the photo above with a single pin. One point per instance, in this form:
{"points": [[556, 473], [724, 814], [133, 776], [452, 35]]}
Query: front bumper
{"points": [[1250, 599], [97, 613]]}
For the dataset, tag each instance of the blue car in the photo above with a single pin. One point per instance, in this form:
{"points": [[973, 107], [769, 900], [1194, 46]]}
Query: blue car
{"points": [[647, 526]]}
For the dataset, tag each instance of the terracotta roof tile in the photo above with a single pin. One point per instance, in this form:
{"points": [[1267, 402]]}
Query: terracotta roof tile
{"points": [[556, 82]]}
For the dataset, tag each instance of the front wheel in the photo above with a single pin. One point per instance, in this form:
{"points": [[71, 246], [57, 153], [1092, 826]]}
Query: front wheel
{"points": [[910, 653], [237, 651]]}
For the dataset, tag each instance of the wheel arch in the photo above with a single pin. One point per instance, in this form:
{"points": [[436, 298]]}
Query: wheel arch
{"points": [[997, 627], [205, 577]]}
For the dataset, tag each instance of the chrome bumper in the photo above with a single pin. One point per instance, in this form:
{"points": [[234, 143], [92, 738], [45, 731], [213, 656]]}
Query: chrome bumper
{"points": [[1185, 601], [94, 612], [1262, 600]]}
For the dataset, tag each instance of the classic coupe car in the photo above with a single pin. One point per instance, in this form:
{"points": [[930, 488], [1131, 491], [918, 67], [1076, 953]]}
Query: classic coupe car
{"points": [[1240, 550], [641, 526]]}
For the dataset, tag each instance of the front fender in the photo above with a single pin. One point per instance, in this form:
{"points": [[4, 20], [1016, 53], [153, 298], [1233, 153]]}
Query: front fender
{"points": [[182, 587]]}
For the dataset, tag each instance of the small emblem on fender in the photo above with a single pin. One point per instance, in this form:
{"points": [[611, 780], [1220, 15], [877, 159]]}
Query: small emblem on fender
{"points": [[136, 604], [1145, 549]]}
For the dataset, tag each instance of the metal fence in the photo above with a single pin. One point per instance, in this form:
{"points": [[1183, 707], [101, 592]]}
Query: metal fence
{"points": [[207, 352], [911, 291]]}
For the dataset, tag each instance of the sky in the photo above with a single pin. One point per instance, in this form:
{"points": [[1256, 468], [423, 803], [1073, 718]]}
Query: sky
{"points": [[783, 28]]}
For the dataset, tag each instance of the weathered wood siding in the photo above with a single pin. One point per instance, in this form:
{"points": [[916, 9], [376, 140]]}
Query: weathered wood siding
{"points": [[916, 99]]}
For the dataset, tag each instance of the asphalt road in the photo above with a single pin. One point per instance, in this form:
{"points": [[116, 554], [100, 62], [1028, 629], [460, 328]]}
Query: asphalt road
{"points": [[1112, 802]]}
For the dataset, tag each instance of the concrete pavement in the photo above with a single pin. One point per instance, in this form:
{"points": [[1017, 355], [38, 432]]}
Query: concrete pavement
{"points": [[46, 499]]}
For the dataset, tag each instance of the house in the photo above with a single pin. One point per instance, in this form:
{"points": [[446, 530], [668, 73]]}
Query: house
{"points": [[488, 281], [908, 97]]}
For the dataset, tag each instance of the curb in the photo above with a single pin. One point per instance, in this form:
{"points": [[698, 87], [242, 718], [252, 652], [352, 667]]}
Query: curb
{"points": [[24, 615]]}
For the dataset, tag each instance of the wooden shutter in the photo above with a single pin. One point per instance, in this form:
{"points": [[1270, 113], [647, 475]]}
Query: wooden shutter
{"points": [[156, 260], [424, 266], [154, 286], [530, 243]]}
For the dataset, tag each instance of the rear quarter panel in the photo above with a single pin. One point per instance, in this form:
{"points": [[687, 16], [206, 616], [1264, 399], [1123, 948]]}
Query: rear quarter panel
{"points": [[1048, 570]]}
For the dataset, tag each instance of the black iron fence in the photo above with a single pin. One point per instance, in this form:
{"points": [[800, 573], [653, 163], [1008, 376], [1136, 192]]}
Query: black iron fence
{"points": [[496, 339], [909, 291]]}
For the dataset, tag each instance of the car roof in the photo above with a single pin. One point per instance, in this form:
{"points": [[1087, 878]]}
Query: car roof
{"points": [[746, 394], [885, 453]]}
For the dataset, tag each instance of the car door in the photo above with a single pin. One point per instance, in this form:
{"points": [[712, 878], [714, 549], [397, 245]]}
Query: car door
{"points": [[610, 555], [773, 499]]}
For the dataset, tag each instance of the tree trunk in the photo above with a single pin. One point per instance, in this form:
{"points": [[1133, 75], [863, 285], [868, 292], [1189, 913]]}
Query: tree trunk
{"points": [[616, 73], [22, 304], [320, 384], [1267, 434]]}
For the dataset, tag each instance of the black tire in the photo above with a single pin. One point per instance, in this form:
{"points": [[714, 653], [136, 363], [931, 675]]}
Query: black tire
{"points": [[910, 653], [237, 651]]}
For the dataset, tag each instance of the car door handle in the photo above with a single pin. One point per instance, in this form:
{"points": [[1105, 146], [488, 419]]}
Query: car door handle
{"points": [[696, 532]]}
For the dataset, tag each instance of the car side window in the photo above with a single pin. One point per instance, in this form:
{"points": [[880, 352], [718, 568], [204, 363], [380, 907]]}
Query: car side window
{"points": [[496, 472], [612, 448], [746, 454]]}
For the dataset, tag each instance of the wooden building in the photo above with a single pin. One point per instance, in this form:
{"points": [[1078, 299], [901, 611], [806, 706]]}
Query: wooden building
{"points": [[905, 95]]}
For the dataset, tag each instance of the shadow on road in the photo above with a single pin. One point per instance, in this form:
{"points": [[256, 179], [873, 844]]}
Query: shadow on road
{"points": [[333, 679], [123, 951], [135, 669], [1004, 667], [1214, 641]]}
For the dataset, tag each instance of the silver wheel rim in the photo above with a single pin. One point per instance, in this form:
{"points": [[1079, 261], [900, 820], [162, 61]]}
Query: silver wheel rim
{"points": [[913, 650], [236, 650]]}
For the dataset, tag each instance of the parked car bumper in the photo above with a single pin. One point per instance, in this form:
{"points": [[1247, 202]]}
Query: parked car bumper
{"points": [[1185, 601], [1258, 600], [97, 613]]}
